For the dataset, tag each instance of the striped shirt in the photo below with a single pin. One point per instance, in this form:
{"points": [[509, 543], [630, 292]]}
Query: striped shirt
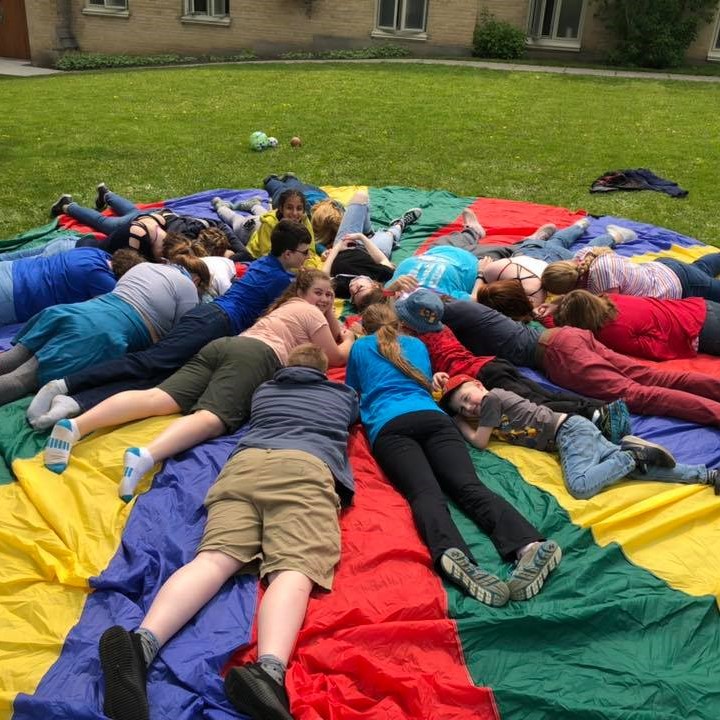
{"points": [[613, 272]]}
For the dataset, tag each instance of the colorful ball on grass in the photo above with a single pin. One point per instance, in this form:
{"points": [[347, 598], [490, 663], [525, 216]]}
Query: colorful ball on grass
{"points": [[258, 141], [272, 142]]}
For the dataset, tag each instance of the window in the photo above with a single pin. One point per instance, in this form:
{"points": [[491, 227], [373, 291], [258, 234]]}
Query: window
{"points": [[714, 53], [556, 23], [207, 8], [108, 8], [108, 4], [402, 15]]}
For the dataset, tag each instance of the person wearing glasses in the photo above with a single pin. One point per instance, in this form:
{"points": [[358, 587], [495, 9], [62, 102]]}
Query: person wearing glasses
{"points": [[230, 314]]}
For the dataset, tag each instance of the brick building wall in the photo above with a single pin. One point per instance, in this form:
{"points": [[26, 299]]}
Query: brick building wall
{"points": [[268, 28], [272, 27]]}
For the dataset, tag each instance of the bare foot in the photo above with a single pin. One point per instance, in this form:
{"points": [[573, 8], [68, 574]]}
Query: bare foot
{"points": [[469, 220]]}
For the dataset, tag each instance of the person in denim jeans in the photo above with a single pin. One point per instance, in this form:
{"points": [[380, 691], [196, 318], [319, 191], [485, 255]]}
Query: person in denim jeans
{"points": [[589, 462]]}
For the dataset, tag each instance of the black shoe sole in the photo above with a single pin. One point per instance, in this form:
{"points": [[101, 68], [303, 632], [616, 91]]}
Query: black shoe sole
{"points": [[57, 209], [250, 695], [125, 694], [100, 202], [657, 454]]}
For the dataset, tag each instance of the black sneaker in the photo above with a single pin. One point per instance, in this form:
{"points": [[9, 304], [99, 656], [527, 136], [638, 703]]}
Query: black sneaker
{"points": [[253, 692], [647, 453], [100, 199], [459, 569], [59, 207], [408, 218], [124, 673], [714, 480]]}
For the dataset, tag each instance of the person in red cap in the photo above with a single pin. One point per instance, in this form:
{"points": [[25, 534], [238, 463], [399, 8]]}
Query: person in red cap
{"points": [[589, 462], [424, 456]]}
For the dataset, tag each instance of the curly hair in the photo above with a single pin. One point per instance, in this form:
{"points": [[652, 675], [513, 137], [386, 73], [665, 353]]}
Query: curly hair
{"points": [[124, 259], [214, 240]]}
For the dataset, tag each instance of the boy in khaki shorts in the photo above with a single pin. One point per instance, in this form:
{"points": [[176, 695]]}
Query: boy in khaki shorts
{"points": [[293, 457]]}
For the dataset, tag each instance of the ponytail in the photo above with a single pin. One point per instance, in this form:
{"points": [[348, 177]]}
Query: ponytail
{"points": [[380, 320], [197, 267]]}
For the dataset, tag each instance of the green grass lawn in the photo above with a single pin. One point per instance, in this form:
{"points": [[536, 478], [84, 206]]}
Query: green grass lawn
{"points": [[153, 134]]}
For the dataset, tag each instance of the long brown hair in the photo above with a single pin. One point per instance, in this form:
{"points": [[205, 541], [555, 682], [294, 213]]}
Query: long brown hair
{"points": [[380, 320], [564, 275], [507, 297], [306, 278], [197, 267], [582, 309]]}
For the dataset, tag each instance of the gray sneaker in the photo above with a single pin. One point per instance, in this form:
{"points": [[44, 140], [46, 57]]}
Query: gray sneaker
{"points": [[647, 453], [246, 205], [621, 234], [544, 232], [532, 569], [486, 588]]}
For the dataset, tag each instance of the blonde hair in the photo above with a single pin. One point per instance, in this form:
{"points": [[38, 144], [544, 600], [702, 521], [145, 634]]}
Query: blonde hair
{"points": [[308, 355], [325, 219], [565, 275], [582, 309], [305, 279], [380, 320]]}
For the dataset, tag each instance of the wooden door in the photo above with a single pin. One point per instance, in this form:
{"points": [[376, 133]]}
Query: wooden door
{"points": [[14, 41]]}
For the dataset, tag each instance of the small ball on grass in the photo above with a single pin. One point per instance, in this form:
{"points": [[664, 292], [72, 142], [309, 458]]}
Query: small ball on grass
{"points": [[295, 141]]}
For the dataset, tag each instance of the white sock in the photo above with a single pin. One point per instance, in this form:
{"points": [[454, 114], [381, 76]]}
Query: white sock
{"points": [[43, 399], [62, 406], [59, 445], [136, 463]]}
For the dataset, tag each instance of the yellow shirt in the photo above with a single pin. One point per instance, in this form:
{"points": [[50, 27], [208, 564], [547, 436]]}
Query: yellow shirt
{"points": [[259, 244]]}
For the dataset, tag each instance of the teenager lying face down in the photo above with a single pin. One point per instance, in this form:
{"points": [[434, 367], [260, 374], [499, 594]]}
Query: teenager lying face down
{"points": [[590, 463], [214, 389], [600, 270], [294, 545], [644, 327], [424, 456], [148, 300], [140, 229]]}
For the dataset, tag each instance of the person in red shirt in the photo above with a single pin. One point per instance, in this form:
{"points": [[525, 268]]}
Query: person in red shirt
{"points": [[421, 312], [644, 327]]}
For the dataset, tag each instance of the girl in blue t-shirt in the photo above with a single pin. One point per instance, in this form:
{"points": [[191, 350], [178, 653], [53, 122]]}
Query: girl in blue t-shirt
{"points": [[424, 456]]}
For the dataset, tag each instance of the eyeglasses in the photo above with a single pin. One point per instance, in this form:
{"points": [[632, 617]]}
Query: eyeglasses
{"points": [[305, 252]]}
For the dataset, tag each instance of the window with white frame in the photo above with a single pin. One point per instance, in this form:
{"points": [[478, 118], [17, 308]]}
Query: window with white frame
{"points": [[108, 4], [714, 53], [402, 15], [556, 23], [207, 8]]}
